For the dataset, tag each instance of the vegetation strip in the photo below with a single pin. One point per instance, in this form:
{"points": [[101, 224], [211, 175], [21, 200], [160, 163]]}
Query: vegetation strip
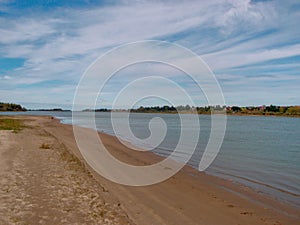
{"points": [[11, 124]]}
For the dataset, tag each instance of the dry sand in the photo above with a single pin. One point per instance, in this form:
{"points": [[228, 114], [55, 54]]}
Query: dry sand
{"points": [[43, 179]]}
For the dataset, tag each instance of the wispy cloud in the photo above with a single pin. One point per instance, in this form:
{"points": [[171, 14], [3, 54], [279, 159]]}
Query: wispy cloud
{"points": [[59, 44]]}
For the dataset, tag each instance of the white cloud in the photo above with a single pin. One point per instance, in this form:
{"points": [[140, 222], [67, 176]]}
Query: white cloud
{"points": [[25, 30], [60, 44], [240, 55], [243, 14], [6, 78]]}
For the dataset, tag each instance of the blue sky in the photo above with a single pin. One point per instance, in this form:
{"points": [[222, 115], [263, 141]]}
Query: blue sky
{"points": [[253, 47]]}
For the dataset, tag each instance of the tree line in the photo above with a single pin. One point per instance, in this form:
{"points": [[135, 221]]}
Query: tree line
{"points": [[237, 110], [180, 108], [248, 110], [265, 110], [11, 107]]}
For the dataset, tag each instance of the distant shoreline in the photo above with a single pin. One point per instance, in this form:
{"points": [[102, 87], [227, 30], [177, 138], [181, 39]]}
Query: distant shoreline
{"points": [[126, 111], [271, 110], [275, 115]]}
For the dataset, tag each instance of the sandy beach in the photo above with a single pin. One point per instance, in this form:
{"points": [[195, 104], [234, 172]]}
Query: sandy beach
{"points": [[45, 180]]}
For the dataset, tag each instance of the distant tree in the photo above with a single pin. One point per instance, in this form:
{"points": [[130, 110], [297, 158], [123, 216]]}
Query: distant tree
{"points": [[293, 110], [180, 108], [187, 107], [11, 107], [272, 108], [236, 109], [283, 109]]}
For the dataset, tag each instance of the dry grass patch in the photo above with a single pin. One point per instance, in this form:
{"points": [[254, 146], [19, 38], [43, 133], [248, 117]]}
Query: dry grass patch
{"points": [[11, 124], [45, 146]]}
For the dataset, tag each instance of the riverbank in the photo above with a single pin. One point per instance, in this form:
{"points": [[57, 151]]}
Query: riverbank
{"points": [[45, 179]]}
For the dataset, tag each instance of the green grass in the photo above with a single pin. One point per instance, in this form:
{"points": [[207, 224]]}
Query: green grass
{"points": [[11, 124]]}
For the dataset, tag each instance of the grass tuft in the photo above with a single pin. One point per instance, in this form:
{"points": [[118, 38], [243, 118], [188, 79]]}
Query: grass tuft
{"points": [[11, 124], [45, 146]]}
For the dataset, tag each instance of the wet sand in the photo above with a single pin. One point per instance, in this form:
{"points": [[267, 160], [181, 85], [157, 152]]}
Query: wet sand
{"points": [[44, 180]]}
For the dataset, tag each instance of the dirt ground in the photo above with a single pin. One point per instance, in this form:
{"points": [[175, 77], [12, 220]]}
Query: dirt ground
{"points": [[42, 183]]}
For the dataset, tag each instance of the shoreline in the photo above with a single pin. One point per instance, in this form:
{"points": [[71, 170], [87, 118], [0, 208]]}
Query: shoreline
{"points": [[183, 113], [239, 185], [190, 188], [283, 195]]}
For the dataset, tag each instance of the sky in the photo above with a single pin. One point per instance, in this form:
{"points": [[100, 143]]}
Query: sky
{"points": [[252, 47]]}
